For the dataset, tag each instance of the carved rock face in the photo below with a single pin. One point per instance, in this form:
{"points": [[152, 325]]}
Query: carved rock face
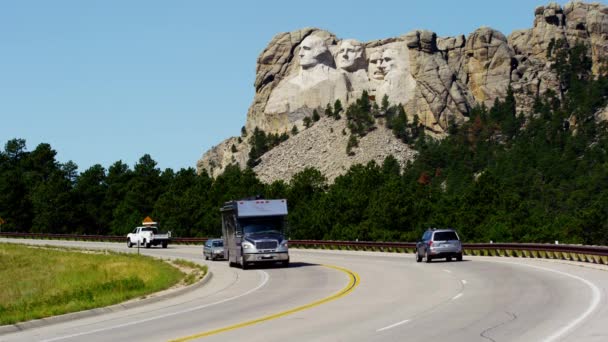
{"points": [[374, 70], [312, 86], [351, 55], [313, 51], [315, 82]]}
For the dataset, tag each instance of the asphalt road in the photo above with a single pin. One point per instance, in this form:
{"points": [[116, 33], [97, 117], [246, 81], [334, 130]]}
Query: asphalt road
{"points": [[370, 297]]}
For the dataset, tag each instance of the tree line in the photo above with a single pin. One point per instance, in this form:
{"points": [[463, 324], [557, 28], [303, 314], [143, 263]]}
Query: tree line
{"points": [[502, 176]]}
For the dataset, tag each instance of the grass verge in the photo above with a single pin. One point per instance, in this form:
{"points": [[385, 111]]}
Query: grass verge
{"points": [[39, 282]]}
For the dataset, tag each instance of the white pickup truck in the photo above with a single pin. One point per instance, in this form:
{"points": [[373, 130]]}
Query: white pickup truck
{"points": [[148, 236]]}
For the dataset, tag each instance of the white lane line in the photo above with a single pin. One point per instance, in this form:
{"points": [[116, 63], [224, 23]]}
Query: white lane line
{"points": [[464, 282], [263, 282], [457, 296], [595, 300], [393, 325], [447, 271]]}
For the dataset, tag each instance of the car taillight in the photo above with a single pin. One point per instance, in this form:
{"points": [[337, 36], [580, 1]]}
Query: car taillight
{"points": [[430, 243]]}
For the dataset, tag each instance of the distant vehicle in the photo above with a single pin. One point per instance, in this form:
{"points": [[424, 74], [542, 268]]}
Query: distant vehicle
{"points": [[254, 232], [213, 249], [438, 244], [147, 236]]}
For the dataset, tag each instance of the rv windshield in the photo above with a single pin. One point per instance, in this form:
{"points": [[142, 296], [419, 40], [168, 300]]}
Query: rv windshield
{"points": [[257, 226]]}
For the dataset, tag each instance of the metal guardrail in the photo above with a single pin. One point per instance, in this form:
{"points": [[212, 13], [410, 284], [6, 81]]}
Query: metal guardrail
{"points": [[593, 254]]}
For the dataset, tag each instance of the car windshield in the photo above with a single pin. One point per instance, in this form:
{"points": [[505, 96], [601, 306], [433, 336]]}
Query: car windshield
{"points": [[219, 243], [445, 236]]}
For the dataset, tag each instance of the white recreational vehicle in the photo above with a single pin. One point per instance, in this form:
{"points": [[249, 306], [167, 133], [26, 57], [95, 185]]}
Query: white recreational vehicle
{"points": [[254, 232]]}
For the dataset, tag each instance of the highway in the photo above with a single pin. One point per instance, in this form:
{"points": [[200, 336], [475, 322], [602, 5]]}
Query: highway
{"points": [[358, 296]]}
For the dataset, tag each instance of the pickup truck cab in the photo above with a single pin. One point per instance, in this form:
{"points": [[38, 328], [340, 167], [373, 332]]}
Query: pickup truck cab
{"points": [[148, 236]]}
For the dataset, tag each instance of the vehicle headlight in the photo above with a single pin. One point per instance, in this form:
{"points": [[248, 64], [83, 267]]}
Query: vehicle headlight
{"points": [[247, 245], [284, 243]]}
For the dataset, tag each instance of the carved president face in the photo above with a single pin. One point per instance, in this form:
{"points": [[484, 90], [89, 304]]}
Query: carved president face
{"points": [[351, 55], [374, 70], [388, 63], [312, 49]]}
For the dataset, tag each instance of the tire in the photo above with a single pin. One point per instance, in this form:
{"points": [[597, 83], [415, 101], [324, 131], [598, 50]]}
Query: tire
{"points": [[206, 257], [448, 258], [418, 257], [427, 256], [129, 243], [165, 244], [459, 256], [285, 263], [147, 244]]}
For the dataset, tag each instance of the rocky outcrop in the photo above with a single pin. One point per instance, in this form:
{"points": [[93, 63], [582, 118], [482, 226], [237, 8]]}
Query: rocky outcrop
{"points": [[229, 151], [440, 96], [439, 79], [576, 22]]}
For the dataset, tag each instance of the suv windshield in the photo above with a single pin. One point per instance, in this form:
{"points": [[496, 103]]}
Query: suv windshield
{"points": [[445, 236]]}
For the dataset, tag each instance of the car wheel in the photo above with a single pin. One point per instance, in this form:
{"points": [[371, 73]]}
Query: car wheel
{"points": [[129, 243], [427, 256], [459, 256], [165, 244], [418, 257], [206, 256], [448, 258]]}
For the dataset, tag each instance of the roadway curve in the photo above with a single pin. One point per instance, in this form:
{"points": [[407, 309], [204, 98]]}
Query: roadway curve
{"points": [[394, 299]]}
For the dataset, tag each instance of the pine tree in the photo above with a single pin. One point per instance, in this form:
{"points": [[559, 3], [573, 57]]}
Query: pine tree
{"points": [[328, 111], [307, 122], [337, 109], [385, 104]]}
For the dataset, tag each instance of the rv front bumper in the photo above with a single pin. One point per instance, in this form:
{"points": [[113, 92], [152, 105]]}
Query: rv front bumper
{"points": [[266, 257]]}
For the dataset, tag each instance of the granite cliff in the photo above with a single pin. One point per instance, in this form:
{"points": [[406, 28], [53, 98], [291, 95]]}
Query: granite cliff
{"points": [[438, 79]]}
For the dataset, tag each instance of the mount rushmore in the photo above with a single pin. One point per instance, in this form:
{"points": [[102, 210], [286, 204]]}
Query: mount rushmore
{"points": [[437, 79]]}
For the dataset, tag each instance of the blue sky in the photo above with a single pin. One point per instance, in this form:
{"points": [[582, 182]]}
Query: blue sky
{"points": [[103, 81]]}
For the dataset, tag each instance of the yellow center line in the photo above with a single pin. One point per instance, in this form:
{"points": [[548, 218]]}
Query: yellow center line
{"points": [[353, 282]]}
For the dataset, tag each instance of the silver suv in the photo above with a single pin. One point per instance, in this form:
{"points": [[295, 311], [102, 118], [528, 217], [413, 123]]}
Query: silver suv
{"points": [[437, 244], [213, 249]]}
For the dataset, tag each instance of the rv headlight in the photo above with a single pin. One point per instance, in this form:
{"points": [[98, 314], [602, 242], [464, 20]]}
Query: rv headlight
{"points": [[247, 245]]}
